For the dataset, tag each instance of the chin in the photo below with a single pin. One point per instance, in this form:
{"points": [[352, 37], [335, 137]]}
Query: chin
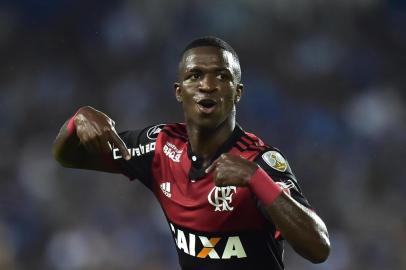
{"points": [[211, 123], [207, 122]]}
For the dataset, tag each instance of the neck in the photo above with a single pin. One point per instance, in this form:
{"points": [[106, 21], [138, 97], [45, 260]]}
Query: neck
{"points": [[206, 141]]}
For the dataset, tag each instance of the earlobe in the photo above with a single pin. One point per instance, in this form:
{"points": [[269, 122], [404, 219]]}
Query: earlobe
{"points": [[177, 92], [240, 88]]}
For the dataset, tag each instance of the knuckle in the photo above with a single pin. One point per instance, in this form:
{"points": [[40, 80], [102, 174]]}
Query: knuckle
{"points": [[106, 129], [92, 137]]}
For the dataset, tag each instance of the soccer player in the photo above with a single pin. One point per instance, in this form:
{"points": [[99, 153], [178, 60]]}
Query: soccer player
{"points": [[230, 200]]}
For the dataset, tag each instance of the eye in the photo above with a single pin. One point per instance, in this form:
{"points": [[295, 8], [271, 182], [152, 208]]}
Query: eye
{"points": [[193, 77], [222, 76]]}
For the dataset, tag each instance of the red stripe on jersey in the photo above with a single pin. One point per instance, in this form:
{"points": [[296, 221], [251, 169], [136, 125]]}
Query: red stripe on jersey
{"points": [[254, 139], [278, 234], [241, 145], [247, 140]]}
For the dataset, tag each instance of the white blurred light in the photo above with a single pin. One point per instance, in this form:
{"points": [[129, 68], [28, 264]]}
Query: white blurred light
{"points": [[375, 113]]}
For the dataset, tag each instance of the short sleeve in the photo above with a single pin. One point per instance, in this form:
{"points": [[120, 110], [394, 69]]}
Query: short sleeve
{"points": [[277, 167], [141, 146]]}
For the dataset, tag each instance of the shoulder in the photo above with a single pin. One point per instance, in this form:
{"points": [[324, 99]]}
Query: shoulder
{"points": [[249, 143], [266, 156], [152, 132], [174, 130]]}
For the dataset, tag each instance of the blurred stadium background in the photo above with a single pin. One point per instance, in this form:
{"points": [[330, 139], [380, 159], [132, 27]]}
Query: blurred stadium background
{"points": [[324, 82]]}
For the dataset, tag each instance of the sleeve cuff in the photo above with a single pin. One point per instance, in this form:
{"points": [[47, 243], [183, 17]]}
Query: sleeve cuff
{"points": [[262, 185]]}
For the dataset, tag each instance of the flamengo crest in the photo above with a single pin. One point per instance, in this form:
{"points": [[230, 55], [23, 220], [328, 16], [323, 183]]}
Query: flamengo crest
{"points": [[221, 198]]}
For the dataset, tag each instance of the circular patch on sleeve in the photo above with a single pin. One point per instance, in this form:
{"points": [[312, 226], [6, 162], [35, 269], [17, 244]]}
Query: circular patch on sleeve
{"points": [[275, 160]]}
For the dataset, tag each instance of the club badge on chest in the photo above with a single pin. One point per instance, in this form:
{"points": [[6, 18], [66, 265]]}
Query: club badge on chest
{"points": [[222, 197]]}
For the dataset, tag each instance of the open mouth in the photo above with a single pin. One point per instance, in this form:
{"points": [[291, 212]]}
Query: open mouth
{"points": [[207, 106]]}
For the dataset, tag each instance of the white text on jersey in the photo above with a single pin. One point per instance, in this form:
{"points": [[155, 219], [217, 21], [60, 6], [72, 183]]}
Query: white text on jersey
{"points": [[139, 151], [172, 151], [187, 243]]}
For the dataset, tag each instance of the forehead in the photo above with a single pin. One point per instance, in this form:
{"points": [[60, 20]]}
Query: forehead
{"points": [[206, 57]]}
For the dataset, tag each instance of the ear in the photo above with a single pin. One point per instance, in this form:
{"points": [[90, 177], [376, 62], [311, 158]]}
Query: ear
{"points": [[178, 92], [239, 91]]}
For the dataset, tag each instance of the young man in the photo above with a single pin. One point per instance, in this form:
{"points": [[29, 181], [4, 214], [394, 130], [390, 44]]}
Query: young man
{"points": [[230, 200]]}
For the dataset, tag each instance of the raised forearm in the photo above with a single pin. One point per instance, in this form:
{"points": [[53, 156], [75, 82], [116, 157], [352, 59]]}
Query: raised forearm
{"points": [[86, 141], [301, 227]]}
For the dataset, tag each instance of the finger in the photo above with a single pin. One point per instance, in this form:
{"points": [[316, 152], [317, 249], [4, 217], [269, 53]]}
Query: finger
{"points": [[212, 166], [105, 146], [217, 179], [119, 143], [215, 163]]}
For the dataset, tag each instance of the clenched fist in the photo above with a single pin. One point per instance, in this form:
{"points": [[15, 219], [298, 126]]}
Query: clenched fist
{"points": [[96, 132], [230, 170]]}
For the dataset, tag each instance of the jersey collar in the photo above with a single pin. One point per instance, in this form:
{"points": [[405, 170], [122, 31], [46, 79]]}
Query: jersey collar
{"points": [[197, 171]]}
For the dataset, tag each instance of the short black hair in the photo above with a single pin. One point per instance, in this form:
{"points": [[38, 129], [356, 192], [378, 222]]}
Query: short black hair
{"points": [[214, 42], [211, 41]]}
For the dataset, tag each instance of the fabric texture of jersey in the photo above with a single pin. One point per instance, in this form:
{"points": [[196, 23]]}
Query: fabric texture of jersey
{"points": [[213, 227]]}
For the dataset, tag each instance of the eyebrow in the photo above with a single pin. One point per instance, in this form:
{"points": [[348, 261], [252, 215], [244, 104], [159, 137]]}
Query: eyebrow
{"points": [[198, 69]]}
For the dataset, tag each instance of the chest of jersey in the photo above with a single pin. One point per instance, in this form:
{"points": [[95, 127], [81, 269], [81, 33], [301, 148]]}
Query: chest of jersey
{"points": [[198, 204]]}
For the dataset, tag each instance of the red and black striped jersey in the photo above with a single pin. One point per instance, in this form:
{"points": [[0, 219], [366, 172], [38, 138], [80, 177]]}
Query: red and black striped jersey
{"points": [[213, 227]]}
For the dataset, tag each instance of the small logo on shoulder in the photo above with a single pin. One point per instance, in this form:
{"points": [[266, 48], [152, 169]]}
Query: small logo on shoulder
{"points": [[286, 185], [153, 132], [275, 160]]}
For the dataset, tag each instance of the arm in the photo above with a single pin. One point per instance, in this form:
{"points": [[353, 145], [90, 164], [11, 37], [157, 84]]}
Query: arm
{"points": [[86, 140], [300, 226]]}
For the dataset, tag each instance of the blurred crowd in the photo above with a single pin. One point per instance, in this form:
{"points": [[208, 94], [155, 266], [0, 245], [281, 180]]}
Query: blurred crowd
{"points": [[324, 82]]}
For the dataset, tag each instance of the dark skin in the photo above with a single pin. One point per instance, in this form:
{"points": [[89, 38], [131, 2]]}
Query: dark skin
{"points": [[208, 90]]}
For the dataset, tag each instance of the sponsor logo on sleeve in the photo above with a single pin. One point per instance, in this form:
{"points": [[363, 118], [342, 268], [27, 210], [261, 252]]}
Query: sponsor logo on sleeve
{"points": [[275, 160], [286, 185], [154, 131], [137, 151]]}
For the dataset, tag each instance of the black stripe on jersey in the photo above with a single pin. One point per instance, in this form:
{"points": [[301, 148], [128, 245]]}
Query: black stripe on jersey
{"points": [[251, 145], [245, 136], [256, 148], [171, 134], [176, 131], [244, 142], [182, 127], [239, 147]]}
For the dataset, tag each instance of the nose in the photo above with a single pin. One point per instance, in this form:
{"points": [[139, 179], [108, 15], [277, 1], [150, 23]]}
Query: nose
{"points": [[208, 83]]}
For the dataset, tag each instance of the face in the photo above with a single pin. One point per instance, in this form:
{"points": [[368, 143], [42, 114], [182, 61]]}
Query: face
{"points": [[208, 87]]}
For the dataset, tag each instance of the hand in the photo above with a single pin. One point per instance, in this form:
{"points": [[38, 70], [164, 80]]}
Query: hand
{"points": [[97, 134], [229, 170]]}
